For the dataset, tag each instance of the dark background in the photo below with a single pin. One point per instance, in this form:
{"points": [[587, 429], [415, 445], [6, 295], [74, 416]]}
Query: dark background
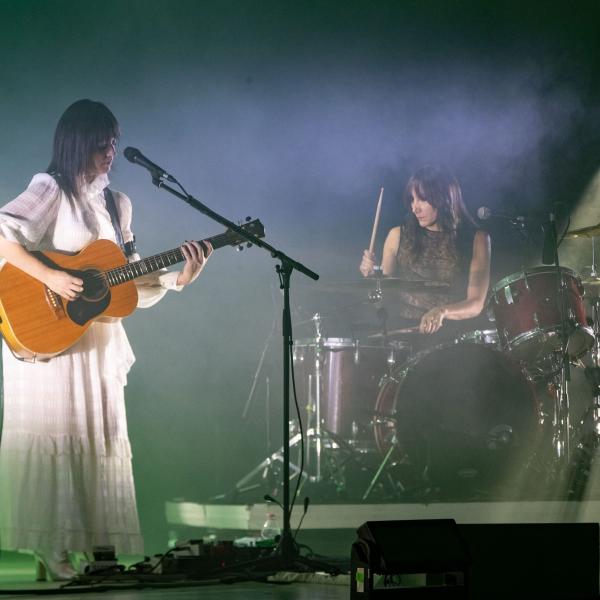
{"points": [[297, 113]]}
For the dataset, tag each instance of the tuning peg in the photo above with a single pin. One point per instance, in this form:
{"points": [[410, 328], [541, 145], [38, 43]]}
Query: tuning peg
{"points": [[248, 219], [240, 248], [248, 244]]}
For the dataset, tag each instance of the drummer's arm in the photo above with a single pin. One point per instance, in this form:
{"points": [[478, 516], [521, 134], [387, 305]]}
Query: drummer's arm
{"points": [[389, 261], [479, 281]]}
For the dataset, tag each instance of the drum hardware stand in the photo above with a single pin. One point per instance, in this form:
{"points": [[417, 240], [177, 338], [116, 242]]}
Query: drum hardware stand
{"points": [[314, 407], [596, 363], [563, 427], [381, 468], [594, 373], [287, 555], [587, 432], [244, 485]]}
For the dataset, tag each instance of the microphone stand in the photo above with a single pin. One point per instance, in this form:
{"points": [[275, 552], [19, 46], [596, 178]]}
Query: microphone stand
{"points": [[521, 227], [286, 555], [550, 256]]}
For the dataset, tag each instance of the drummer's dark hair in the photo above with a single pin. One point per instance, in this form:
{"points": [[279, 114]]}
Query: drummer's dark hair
{"points": [[82, 129], [438, 186], [441, 189]]}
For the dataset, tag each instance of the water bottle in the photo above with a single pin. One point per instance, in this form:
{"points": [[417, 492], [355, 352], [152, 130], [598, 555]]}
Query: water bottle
{"points": [[270, 530]]}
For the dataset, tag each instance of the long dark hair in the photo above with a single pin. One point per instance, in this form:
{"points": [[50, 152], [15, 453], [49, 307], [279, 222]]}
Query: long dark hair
{"points": [[84, 127], [440, 188]]}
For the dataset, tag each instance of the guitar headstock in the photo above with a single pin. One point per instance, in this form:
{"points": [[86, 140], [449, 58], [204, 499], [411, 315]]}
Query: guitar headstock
{"points": [[233, 238]]}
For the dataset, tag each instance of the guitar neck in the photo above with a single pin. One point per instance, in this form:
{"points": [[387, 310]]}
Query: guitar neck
{"points": [[154, 263]]}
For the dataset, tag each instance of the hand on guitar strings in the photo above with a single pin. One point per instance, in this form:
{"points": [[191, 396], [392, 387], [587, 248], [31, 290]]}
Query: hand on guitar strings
{"points": [[196, 254], [62, 283]]}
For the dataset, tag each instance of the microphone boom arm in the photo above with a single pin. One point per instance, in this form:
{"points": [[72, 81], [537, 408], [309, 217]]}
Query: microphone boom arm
{"points": [[249, 237]]}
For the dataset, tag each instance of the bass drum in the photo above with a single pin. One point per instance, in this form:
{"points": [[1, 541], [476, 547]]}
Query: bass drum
{"points": [[462, 420]]}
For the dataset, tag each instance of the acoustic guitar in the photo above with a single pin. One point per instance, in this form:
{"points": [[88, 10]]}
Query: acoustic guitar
{"points": [[37, 323]]}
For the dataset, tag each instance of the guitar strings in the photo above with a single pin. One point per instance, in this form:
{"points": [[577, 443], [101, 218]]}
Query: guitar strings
{"points": [[175, 255]]}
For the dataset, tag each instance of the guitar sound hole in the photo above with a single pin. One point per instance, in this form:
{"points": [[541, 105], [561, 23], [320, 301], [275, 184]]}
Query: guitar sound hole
{"points": [[95, 286]]}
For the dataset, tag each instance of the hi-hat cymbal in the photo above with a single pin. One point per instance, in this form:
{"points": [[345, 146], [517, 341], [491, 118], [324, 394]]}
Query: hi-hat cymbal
{"points": [[584, 232], [384, 283]]}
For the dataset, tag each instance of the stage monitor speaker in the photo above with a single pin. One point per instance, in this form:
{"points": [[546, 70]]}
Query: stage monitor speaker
{"points": [[387, 554], [533, 560], [491, 561]]}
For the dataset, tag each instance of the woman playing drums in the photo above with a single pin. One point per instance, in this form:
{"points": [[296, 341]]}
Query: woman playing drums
{"points": [[440, 242]]}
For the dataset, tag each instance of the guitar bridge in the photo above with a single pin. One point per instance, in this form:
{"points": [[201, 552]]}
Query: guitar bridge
{"points": [[53, 300]]}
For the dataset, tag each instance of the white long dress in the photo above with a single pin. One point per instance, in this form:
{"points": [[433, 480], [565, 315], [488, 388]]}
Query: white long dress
{"points": [[66, 479]]}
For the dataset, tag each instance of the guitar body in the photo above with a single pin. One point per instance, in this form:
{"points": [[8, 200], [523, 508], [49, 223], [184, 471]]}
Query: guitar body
{"points": [[37, 323]]}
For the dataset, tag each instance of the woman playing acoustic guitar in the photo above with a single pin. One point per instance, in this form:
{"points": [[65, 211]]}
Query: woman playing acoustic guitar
{"points": [[66, 481]]}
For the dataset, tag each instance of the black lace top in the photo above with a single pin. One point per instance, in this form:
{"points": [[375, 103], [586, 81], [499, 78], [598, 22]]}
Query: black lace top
{"points": [[440, 256]]}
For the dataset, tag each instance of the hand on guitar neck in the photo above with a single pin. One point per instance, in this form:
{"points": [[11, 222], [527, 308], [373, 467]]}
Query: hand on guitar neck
{"points": [[196, 254]]}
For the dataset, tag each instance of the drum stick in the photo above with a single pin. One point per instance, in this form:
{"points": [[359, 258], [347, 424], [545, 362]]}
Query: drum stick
{"points": [[414, 329], [376, 222]]}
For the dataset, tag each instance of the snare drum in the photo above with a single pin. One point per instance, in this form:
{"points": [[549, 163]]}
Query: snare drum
{"points": [[350, 374], [528, 316]]}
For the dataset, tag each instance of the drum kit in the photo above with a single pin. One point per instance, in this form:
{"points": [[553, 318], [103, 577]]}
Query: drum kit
{"points": [[493, 413]]}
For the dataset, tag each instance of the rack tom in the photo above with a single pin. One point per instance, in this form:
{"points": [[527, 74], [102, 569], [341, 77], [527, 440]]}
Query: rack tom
{"points": [[526, 306]]}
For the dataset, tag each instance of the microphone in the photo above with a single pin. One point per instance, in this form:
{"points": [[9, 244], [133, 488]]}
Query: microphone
{"points": [[550, 242], [484, 213], [135, 156]]}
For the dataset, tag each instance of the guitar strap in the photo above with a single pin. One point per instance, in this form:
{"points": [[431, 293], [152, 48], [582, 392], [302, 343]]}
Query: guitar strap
{"points": [[129, 247]]}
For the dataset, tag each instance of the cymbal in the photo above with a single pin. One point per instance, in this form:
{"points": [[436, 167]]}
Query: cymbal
{"points": [[384, 283], [590, 281], [584, 232]]}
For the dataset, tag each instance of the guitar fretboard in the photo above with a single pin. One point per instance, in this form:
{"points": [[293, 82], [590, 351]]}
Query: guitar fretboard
{"points": [[138, 268], [144, 266]]}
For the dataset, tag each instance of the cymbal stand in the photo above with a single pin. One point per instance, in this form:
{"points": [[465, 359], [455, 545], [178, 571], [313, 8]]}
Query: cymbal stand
{"points": [[376, 297], [595, 355], [593, 372], [562, 418], [314, 405]]}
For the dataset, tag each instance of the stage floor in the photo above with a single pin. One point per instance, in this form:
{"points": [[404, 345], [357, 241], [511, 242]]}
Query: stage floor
{"points": [[17, 575], [328, 529]]}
